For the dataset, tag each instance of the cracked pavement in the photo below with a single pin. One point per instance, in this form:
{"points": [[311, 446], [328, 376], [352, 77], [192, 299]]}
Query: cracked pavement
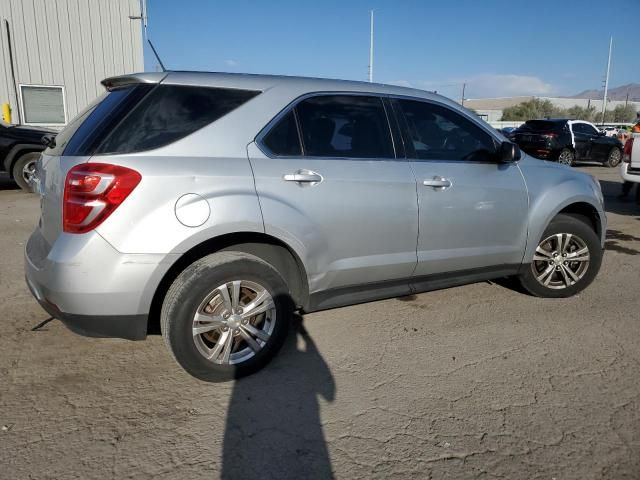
{"points": [[478, 381]]}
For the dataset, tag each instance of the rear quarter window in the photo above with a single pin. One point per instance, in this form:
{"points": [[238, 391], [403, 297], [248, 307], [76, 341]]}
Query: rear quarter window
{"points": [[144, 116], [169, 113]]}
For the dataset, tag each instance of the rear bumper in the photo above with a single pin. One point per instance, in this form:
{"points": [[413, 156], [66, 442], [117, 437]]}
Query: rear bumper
{"points": [[129, 327], [94, 289]]}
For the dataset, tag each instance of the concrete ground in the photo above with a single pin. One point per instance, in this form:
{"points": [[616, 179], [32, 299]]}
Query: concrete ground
{"points": [[478, 381]]}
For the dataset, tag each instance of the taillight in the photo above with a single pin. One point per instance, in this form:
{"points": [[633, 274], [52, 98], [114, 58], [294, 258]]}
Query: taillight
{"points": [[626, 154], [92, 191]]}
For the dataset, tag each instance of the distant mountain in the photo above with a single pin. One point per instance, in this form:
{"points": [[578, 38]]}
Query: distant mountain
{"points": [[618, 93]]}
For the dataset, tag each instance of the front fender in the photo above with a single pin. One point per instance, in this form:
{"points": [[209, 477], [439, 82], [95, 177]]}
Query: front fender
{"points": [[550, 197]]}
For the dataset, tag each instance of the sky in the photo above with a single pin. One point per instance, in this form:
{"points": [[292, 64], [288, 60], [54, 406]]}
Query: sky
{"points": [[498, 48]]}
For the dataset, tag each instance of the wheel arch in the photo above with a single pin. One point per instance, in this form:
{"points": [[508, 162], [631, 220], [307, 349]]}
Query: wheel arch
{"points": [[16, 152], [580, 206], [585, 212], [270, 249]]}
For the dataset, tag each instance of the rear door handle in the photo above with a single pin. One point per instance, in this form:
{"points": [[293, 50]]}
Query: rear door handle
{"points": [[303, 176], [439, 183]]}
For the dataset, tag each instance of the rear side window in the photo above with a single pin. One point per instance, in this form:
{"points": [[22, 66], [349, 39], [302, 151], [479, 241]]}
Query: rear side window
{"points": [[283, 138], [169, 113], [345, 126], [143, 117], [439, 133]]}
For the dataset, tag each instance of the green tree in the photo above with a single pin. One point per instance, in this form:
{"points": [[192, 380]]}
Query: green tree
{"points": [[534, 108]]}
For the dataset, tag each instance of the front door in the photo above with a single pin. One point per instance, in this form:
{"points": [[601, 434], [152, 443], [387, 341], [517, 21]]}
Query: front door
{"points": [[472, 209], [337, 195], [583, 136]]}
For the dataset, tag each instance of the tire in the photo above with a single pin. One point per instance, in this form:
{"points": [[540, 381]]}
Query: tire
{"points": [[614, 158], [567, 157], [199, 290], [23, 168], [559, 283]]}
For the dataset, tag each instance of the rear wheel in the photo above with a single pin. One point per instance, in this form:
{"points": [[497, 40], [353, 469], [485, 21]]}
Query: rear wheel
{"points": [[614, 157], [566, 261], [567, 157], [226, 316], [24, 169]]}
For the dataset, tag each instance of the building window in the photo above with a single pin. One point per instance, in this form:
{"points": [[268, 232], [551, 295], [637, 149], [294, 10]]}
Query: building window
{"points": [[43, 105]]}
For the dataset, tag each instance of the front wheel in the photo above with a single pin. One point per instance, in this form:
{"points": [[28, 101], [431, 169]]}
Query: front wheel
{"points": [[226, 316], [567, 157], [614, 157], [566, 260], [24, 169]]}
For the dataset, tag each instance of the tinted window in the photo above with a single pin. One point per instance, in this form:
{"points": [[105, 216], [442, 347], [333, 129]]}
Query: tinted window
{"points": [[169, 113], [345, 126], [584, 128], [542, 125], [283, 138], [90, 128], [438, 133]]}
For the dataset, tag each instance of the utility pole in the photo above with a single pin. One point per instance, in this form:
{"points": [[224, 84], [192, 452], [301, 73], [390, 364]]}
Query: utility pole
{"points": [[606, 81], [371, 50], [626, 102], [464, 86]]}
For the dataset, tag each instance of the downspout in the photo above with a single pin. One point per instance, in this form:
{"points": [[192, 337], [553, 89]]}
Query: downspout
{"points": [[13, 71]]}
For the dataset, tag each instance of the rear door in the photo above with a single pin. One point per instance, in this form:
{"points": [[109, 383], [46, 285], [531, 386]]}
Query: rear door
{"points": [[329, 185], [472, 209]]}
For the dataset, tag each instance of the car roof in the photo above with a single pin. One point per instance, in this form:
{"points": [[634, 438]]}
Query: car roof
{"points": [[265, 82]]}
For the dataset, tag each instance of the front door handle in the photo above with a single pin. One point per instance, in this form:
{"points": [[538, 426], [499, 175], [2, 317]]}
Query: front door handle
{"points": [[303, 176], [438, 183]]}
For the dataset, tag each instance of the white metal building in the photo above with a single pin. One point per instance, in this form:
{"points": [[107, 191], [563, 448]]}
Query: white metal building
{"points": [[53, 54]]}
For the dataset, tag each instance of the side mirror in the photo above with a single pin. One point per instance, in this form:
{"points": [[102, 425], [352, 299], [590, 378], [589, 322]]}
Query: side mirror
{"points": [[509, 152], [49, 140], [602, 133]]}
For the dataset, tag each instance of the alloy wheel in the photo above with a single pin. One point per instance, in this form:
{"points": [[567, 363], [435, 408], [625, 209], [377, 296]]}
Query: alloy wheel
{"points": [[614, 157], [234, 322], [28, 171], [566, 157], [560, 261]]}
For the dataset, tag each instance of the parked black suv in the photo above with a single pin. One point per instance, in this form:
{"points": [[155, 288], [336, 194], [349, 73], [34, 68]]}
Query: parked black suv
{"points": [[567, 141], [20, 147]]}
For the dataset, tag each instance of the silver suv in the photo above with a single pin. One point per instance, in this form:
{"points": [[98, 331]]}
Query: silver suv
{"points": [[214, 205]]}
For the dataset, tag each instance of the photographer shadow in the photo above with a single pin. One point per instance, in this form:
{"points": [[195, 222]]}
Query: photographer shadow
{"points": [[273, 427]]}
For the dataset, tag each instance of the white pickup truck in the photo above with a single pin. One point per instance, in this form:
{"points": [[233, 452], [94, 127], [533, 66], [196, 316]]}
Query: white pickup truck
{"points": [[630, 167]]}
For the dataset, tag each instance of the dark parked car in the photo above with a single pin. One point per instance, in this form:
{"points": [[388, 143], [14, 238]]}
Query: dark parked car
{"points": [[20, 147], [567, 141]]}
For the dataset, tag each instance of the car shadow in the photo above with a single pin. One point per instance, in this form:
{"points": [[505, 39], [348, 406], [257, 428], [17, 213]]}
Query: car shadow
{"points": [[614, 237], [273, 427], [613, 204], [6, 183]]}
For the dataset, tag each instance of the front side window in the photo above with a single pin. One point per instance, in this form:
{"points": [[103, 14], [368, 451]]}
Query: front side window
{"points": [[584, 128], [439, 133], [349, 126]]}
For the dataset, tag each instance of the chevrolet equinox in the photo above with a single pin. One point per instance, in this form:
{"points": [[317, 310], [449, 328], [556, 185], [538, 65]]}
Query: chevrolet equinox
{"points": [[213, 206]]}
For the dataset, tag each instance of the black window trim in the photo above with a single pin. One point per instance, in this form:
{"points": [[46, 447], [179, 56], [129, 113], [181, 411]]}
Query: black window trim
{"points": [[395, 142], [404, 129]]}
